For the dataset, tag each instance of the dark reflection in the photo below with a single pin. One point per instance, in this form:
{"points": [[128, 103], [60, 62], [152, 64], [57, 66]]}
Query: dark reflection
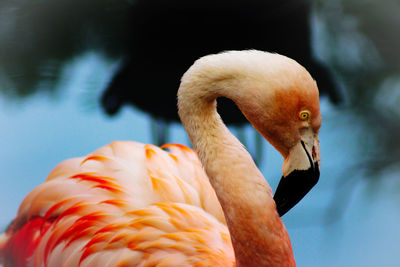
{"points": [[168, 36]]}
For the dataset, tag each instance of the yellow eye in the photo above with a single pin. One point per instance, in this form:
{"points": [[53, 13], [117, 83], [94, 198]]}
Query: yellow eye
{"points": [[304, 115]]}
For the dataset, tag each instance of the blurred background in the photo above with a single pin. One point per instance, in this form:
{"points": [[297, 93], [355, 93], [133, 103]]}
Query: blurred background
{"points": [[75, 75]]}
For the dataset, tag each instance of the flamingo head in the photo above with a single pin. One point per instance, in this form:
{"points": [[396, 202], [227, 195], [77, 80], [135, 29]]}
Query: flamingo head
{"points": [[280, 99], [300, 148], [284, 107]]}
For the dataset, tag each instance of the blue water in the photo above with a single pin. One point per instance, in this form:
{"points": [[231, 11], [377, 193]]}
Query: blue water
{"points": [[346, 220]]}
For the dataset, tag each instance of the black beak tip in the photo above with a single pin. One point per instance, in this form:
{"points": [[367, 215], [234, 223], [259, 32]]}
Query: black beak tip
{"points": [[292, 188]]}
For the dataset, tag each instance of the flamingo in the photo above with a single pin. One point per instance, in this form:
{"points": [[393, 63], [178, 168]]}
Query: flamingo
{"points": [[133, 204]]}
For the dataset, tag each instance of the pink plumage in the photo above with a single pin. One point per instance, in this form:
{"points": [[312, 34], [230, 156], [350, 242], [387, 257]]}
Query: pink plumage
{"points": [[152, 207], [130, 204]]}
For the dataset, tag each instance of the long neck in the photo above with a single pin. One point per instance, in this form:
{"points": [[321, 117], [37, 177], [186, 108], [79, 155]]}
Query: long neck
{"points": [[258, 235]]}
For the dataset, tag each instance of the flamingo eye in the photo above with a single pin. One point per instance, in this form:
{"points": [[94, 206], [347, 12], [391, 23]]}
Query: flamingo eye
{"points": [[304, 115]]}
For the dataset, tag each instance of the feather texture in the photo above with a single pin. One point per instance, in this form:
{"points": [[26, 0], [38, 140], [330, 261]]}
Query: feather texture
{"points": [[126, 204]]}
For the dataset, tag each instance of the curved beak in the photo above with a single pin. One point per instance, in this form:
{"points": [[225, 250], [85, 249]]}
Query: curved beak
{"points": [[300, 172]]}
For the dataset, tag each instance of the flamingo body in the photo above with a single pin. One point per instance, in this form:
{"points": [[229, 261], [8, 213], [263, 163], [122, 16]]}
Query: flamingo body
{"points": [[126, 204], [130, 204]]}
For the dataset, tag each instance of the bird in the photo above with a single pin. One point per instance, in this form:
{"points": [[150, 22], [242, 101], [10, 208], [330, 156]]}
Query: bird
{"points": [[279, 26], [134, 204]]}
